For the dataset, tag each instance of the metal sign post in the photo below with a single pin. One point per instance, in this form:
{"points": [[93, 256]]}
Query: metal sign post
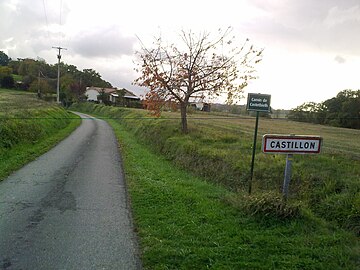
{"points": [[258, 103], [253, 152], [287, 176], [289, 145]]}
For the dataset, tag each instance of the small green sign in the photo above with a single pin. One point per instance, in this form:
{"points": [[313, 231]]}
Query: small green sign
{"points": [[258, 102]]}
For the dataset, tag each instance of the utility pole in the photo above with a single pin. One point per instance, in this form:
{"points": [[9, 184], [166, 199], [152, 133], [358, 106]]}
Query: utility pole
{"points": [[38, 91], [58, 76]]}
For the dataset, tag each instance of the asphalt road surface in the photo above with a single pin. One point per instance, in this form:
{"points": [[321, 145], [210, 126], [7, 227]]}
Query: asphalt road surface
{"points": [[69, 208]]}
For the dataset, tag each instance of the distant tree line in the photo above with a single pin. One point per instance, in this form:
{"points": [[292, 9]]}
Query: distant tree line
{"points": [[6, 78], [340, 111], [38, 76]]}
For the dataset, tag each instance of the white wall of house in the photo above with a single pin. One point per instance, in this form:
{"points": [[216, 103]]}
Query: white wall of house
{"points": [[91, 95], [113, 97], [199, 105]]}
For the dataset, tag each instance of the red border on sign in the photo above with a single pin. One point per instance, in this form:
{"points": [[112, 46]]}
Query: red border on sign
{"points": [[295, 137]]}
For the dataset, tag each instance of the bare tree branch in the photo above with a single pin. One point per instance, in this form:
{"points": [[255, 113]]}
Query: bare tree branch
{"points": [[202, 67]]}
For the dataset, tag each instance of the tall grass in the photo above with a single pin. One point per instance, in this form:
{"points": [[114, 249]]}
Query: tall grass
{"points": [[184, 222], [219, 149], [28, 128]]}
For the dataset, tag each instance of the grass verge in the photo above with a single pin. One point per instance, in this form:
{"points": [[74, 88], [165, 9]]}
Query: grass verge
{"points": [[23, 153], [28, 128], [219, 150], [186, 223]]}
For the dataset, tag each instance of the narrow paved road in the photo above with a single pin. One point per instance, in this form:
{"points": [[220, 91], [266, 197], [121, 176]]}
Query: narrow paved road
{"points": [[69, 208]]}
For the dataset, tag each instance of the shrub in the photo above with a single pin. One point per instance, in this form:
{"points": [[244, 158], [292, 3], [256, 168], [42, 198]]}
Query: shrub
{"points": [[8, 82]]}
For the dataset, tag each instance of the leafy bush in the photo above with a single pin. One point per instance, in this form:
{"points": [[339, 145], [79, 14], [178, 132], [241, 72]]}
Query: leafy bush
{"points": [[8, 82]]}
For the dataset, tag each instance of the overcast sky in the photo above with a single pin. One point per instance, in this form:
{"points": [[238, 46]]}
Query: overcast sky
{"points": [[312, 47]]}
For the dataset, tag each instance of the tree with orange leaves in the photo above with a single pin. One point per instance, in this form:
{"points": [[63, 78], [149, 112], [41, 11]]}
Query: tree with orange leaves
{"points": [[153, 103], [199, 66]]}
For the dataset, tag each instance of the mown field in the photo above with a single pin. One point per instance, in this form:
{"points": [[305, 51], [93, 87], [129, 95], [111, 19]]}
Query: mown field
{"points": [[184, 222], [28, 128]]}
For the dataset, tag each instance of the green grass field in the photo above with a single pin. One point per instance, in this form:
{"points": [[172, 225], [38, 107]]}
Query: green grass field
{"points": [[336, 140], [186, 223], [190, 203], [12, 102], [28, 128]]}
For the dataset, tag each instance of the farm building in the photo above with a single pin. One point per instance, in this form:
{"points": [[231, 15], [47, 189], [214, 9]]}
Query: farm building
{"points": [[92, 93], [122, 97]]}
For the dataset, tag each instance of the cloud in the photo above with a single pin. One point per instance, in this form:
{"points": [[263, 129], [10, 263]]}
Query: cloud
{"points": [[323, 25], [340, 59], [103, 42], [27, 29], [338, 15]]}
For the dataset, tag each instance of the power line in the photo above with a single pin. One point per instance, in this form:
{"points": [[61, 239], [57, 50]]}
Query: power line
{"points": [[167, 118], [46, 19], [60, 12], [60, 22], [45, 77]]}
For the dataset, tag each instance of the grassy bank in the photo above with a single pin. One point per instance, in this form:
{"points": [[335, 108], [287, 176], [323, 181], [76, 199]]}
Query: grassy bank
{"points": [[28, 128], [185, 222], [219, 149]]}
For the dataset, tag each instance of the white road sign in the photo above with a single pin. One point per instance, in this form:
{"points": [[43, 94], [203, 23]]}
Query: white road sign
{"points": [[291, 144]]}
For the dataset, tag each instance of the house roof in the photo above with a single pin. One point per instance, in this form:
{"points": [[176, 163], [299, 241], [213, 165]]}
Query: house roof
{"points": [[101, 89], [128, 94], [131, 97], [114, 92]]}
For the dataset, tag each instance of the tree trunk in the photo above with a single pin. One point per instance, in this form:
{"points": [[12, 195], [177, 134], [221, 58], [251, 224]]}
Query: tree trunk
{"points": [[184, 127]]}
